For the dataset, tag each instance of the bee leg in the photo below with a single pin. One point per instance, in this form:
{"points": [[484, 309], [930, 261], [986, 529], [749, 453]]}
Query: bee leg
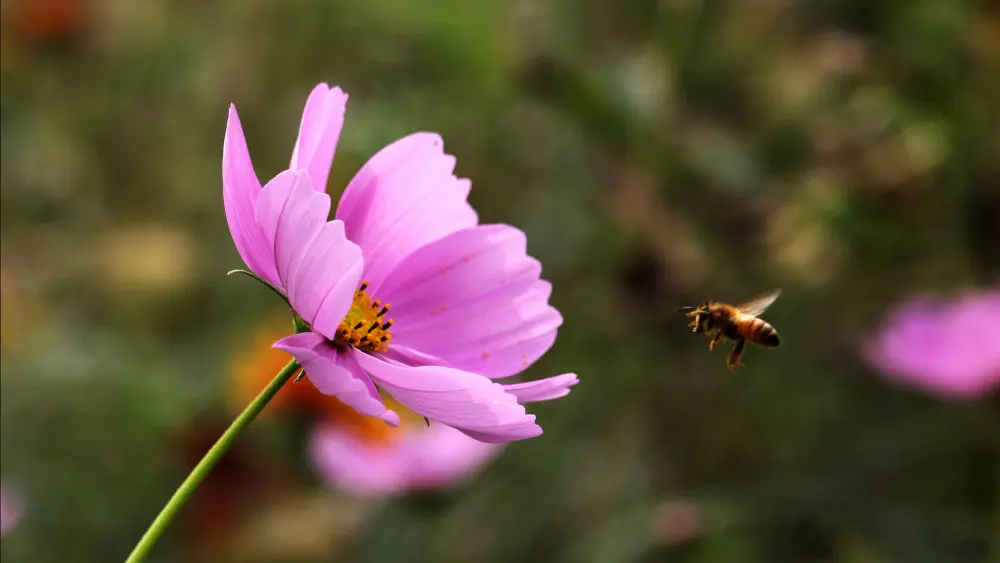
{"points": [[715, 340], [736, 354]]}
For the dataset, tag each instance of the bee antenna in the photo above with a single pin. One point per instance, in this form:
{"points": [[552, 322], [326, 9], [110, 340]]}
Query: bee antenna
{"points": [[686, 309]]}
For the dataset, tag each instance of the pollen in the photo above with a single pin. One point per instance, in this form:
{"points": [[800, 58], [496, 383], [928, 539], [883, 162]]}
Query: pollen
{"points": [[365, 327]]}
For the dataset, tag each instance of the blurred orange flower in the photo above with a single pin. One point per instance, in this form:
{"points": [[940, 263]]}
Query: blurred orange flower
{"points": [[47, 19]]}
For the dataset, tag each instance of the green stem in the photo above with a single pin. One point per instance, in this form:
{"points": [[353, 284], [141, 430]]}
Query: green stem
{"points": [[198, 474]]}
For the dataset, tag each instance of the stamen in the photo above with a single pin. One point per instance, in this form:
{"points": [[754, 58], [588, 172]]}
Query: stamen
{"points": [[364, 326]]}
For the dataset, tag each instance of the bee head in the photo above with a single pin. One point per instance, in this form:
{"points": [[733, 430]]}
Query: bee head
{"points": [[702, 318]]}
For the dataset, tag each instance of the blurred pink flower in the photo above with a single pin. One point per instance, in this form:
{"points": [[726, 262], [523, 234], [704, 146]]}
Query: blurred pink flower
{"points": [[416, 458], [11, 508], [949, 348], [468, 303]]}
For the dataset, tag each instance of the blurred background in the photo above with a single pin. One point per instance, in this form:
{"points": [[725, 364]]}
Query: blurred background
{"points": [[657, 154]]}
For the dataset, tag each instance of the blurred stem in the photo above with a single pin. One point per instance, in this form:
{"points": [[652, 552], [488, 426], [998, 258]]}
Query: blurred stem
{"points": [[188, 487]]}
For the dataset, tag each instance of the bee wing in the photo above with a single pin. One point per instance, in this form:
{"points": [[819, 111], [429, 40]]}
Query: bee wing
{"points": [[758, 305]]}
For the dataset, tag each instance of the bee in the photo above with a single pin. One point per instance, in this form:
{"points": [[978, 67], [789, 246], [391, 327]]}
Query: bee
{"points": [[737, 323]]}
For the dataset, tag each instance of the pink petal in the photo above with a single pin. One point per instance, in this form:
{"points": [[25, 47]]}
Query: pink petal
{"points": [[336, 374], [496, 436], [543, 389], [302, 215], [328, 275], [319, 131], [406, 356], [473, 299], [240, 189], [404, 197], [317, 266], [419, 459], [466, 401]]}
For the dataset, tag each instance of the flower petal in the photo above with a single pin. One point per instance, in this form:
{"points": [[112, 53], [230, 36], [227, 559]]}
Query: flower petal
{"points": [[466, 401], [328, 275], [419, 459], [346, 462], [473, 299], [496, 436], [543, 389], [943, 346], [318, 268], [302, 214], [11, 508], [336, 374], [240, 189], [319, 131], [404, 197]]}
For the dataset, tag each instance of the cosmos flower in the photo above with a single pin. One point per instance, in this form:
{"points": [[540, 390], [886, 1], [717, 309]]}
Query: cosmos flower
{"points": [[356, 453], [468, 305], [11, 508], [946, 347]]}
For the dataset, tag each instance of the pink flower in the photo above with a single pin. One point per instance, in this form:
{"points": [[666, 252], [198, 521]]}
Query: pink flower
{"points": [[11, 508], [468, 305], [416, 458], [950, 348]]}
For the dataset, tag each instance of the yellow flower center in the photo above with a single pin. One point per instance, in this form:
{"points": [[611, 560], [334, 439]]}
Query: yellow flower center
{"points": [[365, 326]]}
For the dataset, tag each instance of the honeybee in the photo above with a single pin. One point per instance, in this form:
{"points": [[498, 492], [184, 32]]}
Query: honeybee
{"points": [[737, 323]]}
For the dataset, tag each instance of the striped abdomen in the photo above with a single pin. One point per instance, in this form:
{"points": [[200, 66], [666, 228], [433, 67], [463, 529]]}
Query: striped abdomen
{"points": [[758, 331]]}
